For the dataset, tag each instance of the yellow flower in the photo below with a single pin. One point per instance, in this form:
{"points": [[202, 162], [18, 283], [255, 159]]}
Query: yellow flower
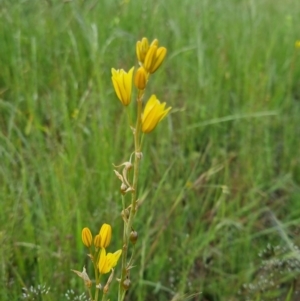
{"points": [[297, 44], [154, 112], [105, 233], [151, 57], [140, 79], [87, 237], [108, 261], [154, 58], [122, 82]]}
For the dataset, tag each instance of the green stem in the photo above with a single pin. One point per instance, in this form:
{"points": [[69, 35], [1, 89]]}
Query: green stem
{"points": [[128, 225], [90, 294], [103, 297], [132, 256], [97, 278], [129, 116]]}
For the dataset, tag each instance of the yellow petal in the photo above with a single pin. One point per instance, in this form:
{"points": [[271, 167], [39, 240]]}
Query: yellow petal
{"points": [[150, 104], [138, 51], [150, 57], [154, 42], [160, 56], [128, 84], [114, 72], [102, 261], [108, 261], [116, 87], [151, 120], [115, 258], [165, 112], [105, 233], [154, 112]]}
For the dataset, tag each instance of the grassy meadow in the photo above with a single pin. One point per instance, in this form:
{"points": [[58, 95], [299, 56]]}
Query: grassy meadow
{"points": [[220, 176]]}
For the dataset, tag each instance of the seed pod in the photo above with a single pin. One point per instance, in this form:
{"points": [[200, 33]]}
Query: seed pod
{"points": [[133, 236], [126, 284]]}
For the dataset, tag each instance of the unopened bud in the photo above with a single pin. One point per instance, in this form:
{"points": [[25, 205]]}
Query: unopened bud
{"points": [[140, 79], [86, 237], [105, 233], [133, 236], [97, 241]]}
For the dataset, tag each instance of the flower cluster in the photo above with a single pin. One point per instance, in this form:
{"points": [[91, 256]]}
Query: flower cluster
{"points": [[101, 241], [150, 58], [103, 262]]}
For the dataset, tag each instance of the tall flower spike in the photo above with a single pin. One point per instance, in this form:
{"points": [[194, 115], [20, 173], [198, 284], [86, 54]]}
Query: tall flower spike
{"points": [[122, 82], [154, 112], [105, 233], [108, 261]]}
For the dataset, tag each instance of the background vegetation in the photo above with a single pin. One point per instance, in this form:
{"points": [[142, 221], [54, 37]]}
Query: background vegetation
{"points": [[220, 176]]}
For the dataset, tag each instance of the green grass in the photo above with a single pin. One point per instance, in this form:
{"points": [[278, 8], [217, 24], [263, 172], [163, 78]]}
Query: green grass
{"points": [[220, 176]]}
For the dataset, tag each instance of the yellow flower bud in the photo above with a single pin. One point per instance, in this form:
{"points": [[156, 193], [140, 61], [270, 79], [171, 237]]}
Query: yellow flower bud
{"points": [[154, 58], [108, 261], [153, 113], [141, 49], [122, 82], [105, 233], [87, 237], [160, 56], [97, 241], [140, 79], [150, 57]]}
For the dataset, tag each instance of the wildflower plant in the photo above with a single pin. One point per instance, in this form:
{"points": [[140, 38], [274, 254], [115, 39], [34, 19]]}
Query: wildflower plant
{"points": [[148, 115]]}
